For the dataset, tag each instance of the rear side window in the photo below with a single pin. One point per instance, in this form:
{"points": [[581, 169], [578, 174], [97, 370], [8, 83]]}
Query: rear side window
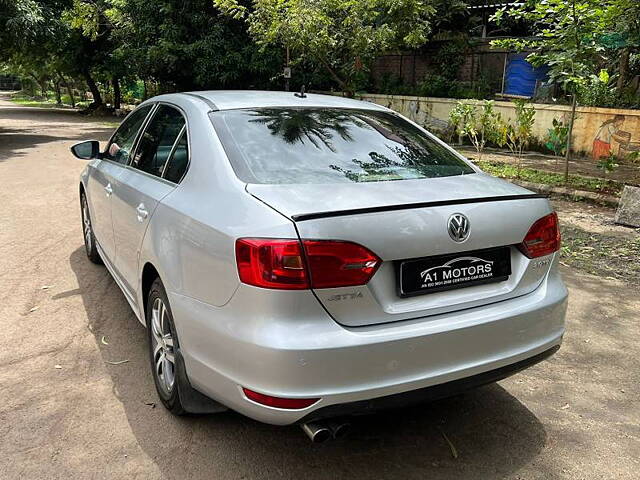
{"points": [[156, 142], [179, 160], [321, 145], [119, 148]]}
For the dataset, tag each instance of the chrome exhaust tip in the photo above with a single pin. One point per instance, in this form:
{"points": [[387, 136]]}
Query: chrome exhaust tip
{"points": [[317, 432], [339, 429]]}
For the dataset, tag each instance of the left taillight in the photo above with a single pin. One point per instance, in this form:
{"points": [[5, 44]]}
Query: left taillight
{"points": [[271, 263], [543, 237], [293, 265]]}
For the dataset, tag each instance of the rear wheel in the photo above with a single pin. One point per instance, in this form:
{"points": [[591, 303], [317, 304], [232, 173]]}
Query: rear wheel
{"points": [[87, 230], [163, 348]]}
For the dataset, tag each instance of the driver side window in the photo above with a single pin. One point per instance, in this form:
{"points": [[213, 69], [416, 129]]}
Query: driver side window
{"points": [[119, 149]]}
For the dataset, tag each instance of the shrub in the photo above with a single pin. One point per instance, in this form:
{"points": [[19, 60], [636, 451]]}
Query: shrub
{"points": [[481, 127], [557, 138]]}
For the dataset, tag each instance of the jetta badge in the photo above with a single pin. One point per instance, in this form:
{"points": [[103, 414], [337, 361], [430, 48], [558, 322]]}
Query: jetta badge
{"points": [[458, 227]]}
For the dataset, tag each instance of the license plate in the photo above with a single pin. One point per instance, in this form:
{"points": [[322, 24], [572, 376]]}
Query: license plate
{"points": [[446, 272]]}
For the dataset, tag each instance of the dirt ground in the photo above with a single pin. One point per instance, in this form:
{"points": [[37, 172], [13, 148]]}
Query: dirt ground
{"points": [[594, 244], [65, 413]]}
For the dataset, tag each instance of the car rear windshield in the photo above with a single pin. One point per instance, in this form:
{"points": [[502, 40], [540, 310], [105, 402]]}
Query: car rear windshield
{"points": [[320, 145]]}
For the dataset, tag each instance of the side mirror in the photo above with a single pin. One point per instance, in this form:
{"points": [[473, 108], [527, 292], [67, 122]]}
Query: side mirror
{"points": [[86, 150]]}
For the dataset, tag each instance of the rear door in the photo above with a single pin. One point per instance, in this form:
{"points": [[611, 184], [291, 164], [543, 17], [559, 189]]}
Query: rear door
{"points": [[141, 186], [104, 177]]}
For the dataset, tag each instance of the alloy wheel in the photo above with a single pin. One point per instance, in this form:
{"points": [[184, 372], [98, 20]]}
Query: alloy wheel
{"points": [[162, 345], [86, 221]]}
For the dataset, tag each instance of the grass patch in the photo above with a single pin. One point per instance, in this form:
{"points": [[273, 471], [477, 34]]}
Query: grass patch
{"points": [[28, 101], [34, 103], [110, 124], [508, 171]]}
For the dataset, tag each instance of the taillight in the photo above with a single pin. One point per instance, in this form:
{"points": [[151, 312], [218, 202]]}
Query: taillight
{"points": [[277, 263], [543, 237], [339, 264], [271, 263], [279, 402]]}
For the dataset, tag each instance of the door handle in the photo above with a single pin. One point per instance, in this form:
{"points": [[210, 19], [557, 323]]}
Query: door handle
{"points": [[142, 212], [108, 189]]}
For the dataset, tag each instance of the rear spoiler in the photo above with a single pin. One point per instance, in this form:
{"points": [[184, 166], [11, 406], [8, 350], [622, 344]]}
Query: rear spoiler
{"points": [[407, 206]]}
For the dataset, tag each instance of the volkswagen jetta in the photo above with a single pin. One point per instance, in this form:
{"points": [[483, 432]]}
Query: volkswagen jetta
{"points": [[299, 257]]}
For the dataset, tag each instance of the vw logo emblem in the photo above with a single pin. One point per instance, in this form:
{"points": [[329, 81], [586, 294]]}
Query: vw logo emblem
{"points": [[458, 227]]}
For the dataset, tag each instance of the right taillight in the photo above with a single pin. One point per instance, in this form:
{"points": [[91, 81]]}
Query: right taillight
{"points": [[334, 263], [543, 237], [288, 264]]}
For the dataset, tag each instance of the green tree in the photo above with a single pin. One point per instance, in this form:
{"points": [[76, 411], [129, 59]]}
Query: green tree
{"points": [[182, 45], [623, 23], [21, 21], [343, 36], [479, 123], [565, 37]]}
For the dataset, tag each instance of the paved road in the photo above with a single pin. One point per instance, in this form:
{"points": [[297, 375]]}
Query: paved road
{"points": [[574, 416]]}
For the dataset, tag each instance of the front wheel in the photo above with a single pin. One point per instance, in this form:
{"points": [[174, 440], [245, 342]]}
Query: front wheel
{"points": [[87, 230]]}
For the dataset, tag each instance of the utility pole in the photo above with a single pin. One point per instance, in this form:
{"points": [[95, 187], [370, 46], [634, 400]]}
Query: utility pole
{"points": [[287, 72]]}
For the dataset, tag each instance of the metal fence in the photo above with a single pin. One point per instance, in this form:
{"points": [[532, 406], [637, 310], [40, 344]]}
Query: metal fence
{"points": [[10, 82]]}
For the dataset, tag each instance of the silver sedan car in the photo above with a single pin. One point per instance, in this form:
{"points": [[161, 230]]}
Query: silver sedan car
{"points": [[298, 258]]}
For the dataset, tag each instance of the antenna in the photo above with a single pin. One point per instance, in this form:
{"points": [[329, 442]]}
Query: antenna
{"points": [[301, 94]]}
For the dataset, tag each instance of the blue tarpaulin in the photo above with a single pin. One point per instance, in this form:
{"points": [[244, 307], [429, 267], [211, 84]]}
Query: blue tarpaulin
{"points": [[521, 77]]}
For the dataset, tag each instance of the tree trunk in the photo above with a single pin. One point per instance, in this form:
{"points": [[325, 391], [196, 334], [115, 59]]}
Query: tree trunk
{"points": [[574, 102], [144, 90], [41, 83], [69, 89], [117, 96], [343, 85], [56, 89], [623, 72], [93, 88]]}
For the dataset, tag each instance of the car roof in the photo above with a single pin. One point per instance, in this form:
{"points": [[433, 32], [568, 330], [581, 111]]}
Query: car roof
{"points": [[232, 99]]}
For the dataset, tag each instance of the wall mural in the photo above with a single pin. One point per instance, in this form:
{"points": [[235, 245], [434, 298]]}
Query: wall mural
{"points": [[609, 132]]}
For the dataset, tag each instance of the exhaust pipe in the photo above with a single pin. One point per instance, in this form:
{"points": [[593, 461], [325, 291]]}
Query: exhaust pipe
{"points": [[339, 429], [317, 432]]}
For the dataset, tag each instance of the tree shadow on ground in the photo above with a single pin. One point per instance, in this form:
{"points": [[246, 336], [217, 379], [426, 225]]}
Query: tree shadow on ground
{"points": [[493, 433], [40, 126]]}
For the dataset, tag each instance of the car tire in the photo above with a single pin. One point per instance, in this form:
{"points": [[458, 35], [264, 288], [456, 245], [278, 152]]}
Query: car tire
{"points": [[164, 349], [87, 230]]}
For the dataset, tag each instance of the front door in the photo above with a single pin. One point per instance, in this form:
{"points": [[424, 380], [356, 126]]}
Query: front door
{"points": [[100, 186], [104, 176], [140, 187]]}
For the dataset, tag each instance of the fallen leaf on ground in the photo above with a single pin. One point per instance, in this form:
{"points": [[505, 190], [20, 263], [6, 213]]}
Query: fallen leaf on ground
{"points": [[454, 452], [120, 362], [33, 309], [565, 407], [150, 404], [46, 287], [104, 340]]}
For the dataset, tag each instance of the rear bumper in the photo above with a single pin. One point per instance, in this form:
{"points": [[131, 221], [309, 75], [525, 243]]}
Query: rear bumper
{"points": [[309, 355], [427, 394]]}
